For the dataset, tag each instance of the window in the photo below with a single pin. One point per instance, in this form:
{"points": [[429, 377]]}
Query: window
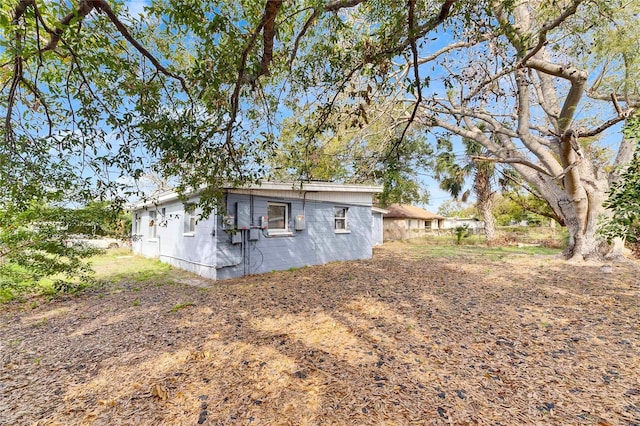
{"points": [[153, 224], [278, 217], [189, 221], [340, 219], [427, 224]]}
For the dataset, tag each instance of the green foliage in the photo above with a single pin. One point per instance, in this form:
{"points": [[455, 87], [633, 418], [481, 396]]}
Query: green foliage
{"points": [[179, 306], [624, 197], [453, 171], [512, 207], [342, 154], [454, 208], [461, 232], [34, 245], [197, 91], [397, 171], [610, 45]]}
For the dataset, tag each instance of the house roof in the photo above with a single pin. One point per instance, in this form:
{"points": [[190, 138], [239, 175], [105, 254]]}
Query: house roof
{"points": [[272, 186], [406, 211]]}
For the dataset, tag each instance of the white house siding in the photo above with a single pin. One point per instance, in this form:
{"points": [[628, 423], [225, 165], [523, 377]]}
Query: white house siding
{"points": [[450, 223], [377, 228], [194, 253], [318, 243], [216, 253]]}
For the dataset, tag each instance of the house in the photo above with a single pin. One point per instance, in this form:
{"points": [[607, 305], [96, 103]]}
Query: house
{"points": [[472, 223], [404, 221], [266, 227]]}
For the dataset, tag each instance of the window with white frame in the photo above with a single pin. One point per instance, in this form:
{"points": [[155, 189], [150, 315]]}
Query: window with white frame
{"points": [[340, 223], [153, 224], [189, 221], [278, 214]]}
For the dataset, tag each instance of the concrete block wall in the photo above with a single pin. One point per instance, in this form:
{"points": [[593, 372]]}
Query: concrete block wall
{"points": [[194, 252], [317, 244]]}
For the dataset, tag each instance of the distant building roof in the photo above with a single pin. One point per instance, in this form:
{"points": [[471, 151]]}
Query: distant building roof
{"points": [[406, 211]]}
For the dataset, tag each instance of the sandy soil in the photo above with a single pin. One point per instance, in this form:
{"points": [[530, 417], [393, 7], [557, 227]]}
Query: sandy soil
{"points": [[401, 339]]}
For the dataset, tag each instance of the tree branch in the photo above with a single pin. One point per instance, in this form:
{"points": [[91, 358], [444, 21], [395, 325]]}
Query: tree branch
{"points": [[342, 4], [416, 71], [623, 115], [630, 99], [38, 95], [542, 36], [84, 8], [104, 6], [301, 34], [576, 77], [18, 59], [512, 161], [268, 34]]}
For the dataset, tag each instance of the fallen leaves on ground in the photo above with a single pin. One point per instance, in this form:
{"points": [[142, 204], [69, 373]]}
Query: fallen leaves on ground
{"points": [[401, 339]]}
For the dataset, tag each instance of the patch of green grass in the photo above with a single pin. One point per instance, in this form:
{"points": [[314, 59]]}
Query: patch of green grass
{"points": [[111, 267], [41, 323], [136, 302], [119, 266], [180, 306], [6, 295], [121, 263], [425, 248]]}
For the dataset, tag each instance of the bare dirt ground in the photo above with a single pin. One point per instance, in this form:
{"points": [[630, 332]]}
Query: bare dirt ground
{"points": [[404, 338]]}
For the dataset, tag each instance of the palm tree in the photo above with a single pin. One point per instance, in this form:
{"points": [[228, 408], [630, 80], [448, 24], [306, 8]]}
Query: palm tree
{"points": [[453, 177]]}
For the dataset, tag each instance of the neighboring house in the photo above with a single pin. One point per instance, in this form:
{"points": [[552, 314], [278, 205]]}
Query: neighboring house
{"points": [[272, 226], [472, 223], [404, 221]]}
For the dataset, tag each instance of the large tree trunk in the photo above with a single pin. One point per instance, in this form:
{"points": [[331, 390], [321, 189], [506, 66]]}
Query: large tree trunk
{"points": [[489, 220], [545, 139], [580, 215], [484, 196]]}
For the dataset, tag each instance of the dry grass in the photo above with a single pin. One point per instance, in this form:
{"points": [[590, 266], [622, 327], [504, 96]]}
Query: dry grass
{"points": [[405, 338]]}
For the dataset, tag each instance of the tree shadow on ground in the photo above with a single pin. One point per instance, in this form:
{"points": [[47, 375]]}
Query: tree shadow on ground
{"points": [[400, 339]]}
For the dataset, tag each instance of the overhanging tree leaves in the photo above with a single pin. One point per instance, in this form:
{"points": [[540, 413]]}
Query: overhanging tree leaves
{"points": [[198, 90], [519, 79]]}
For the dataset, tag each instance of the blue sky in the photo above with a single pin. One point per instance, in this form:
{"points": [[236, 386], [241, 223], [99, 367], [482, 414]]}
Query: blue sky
{"points": [[136, 7], [437, 196]]}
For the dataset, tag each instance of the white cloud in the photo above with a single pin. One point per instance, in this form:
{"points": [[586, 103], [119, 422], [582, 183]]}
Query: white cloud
{"points": [[136, 8]]}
